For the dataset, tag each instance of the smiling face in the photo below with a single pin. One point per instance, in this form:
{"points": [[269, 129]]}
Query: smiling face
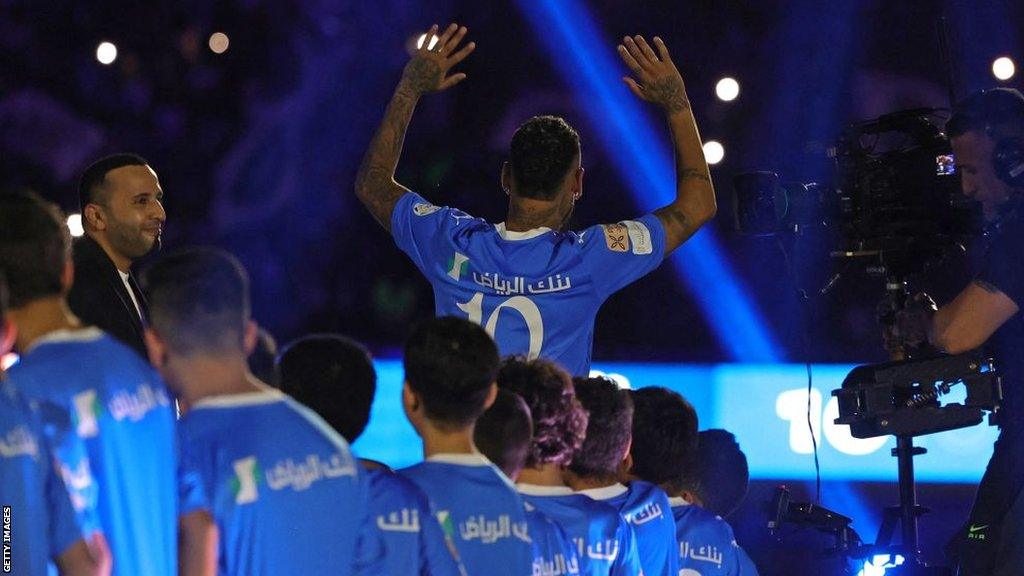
{"points": [[973, 153], [129, 212]]}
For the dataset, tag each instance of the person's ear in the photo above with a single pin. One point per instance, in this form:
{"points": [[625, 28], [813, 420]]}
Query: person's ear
{"points": [[252, 332], [410, 400], [577, 192], [506, 177], [67, 276], [492, 395], [155, 348], [93, 217]]}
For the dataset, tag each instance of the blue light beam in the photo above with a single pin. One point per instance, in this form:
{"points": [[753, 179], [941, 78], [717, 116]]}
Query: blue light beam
{"points": [[641, 155]]}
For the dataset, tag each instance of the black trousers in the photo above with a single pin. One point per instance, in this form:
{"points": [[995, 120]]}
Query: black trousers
{"points": [[992, 541]]}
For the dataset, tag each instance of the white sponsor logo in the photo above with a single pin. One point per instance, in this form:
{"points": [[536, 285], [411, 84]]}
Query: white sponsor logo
{"points": [[245, 472], [135, 406], [85, 409], [458, 266], [702, 554], [422, 209], [640, 237], [404, 520], [19, 442], [490, 531], [300, 476]]}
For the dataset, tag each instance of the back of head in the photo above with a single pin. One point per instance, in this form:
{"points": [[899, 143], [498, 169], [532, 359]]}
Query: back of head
{"points": [[451, 363], [504, 431], [542, 152], [723, 475], [664, 436], [91, 184], [998, 112], [199, 302], [609, 428], [559, 421], [35, 246], [334, 376]]}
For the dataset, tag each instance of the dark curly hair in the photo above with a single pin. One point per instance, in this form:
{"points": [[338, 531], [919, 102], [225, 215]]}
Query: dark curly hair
{"points": [[664, 445], [609, 428], [543, 149], [559, 421]]}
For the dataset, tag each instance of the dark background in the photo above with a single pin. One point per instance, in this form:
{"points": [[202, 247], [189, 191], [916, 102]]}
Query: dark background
{"points": [[257, 148]]}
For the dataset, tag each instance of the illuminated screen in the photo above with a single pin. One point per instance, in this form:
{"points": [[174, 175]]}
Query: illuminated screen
{"points": [[765, 406]]}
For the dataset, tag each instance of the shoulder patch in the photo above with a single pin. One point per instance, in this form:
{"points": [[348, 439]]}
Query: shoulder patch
{"points": [[616, 237], [640, 237], [424, 209]]}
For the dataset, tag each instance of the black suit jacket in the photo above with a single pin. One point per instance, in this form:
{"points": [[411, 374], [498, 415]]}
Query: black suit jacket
{"points": [[98, 296]]}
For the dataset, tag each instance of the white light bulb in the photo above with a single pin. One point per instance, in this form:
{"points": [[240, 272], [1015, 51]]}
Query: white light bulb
{"points": [[727, 89], [106, 53], [714, 152]]}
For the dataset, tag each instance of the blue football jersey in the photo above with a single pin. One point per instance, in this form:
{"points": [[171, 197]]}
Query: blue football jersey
{"points": [[646, 508], [286, 494], [36, 503], [553, 552], [414, 542], [706, 543], [604, 541], [479, 510], [110, 422], [537, 292]]}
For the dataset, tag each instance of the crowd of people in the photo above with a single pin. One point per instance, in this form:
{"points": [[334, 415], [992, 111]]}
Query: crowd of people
{"points": [[135, 438]]}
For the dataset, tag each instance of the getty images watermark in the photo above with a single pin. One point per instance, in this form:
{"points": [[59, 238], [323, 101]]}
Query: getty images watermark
{"points": [[7, 568]]}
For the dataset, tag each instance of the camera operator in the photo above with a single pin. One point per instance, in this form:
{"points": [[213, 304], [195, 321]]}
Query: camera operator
{"points": [[987, 135]]}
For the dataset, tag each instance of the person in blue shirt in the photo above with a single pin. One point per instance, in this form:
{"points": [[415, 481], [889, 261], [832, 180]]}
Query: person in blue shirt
{"points": [[39, 502], [450, 366], [334, 376], [598, 466], [266, 486], [105, 412], [503, 434], [605, 542], [664, 452], [722, 475], [534, 285]]}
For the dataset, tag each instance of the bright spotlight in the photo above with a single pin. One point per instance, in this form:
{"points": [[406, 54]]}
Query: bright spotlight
{"points": [[713, 151], [8, 360], [75, 225], [423, 38], [219, 42], [1003, 68], [106, 53], [727, 89]]}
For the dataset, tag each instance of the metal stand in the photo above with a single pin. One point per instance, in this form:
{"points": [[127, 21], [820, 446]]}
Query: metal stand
{"points": [[908, 510]]}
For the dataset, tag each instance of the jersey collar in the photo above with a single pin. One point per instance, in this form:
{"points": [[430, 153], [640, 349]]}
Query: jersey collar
{"points": [[268, 396], [528, 235], [476, 459], [538, 490], [605, 493], [61, 336], [678, 502]]}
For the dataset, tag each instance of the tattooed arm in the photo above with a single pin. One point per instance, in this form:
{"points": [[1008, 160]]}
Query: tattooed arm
{"points": [[660, 83], [427, 71]]}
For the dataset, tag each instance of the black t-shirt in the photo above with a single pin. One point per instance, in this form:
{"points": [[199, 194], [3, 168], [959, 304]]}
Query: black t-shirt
{"points": [[1004, 269]]}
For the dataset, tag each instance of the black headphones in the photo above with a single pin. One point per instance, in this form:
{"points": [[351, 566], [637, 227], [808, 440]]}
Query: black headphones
{"points": [[1001, 106], [1008, 160]]}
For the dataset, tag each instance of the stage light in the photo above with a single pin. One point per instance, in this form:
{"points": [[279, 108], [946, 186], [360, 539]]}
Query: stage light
{"points": [[106, 53], [714, 152], [75, 225], [1003, 68], [423, 38], [878, 564], [219, 42], [8, 360], [727, 89]]}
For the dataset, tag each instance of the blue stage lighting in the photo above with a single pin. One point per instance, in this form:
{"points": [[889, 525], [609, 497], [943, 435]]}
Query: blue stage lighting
{"points": [[642, 156]]}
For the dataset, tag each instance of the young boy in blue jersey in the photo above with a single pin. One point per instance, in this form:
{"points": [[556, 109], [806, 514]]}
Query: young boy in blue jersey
{"points": [[597, 467], [105, 412], [549, 281], [722, 475], [605, 542], [503, 434], [38, 501], [450, 367], [266, 486], [664, 452], [334, 376]]}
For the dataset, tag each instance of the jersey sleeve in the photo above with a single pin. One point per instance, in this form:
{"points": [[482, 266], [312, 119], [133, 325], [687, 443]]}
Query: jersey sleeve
{"points": [[369, 553], [65, 528], [629, 561], [192, 491], [1004, 263], [617, 255], [421, 229]]}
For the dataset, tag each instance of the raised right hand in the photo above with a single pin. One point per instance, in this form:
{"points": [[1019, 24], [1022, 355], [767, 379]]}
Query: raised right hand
{"points": [[428, 69]]}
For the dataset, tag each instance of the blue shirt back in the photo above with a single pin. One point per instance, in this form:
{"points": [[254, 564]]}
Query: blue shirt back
{"points": [[43, 522], [603, 540], [646, 508], [413, 540], [479, 509], [707, 544], [282, 487], [110, 422], [553, 552], [537, 292]]}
